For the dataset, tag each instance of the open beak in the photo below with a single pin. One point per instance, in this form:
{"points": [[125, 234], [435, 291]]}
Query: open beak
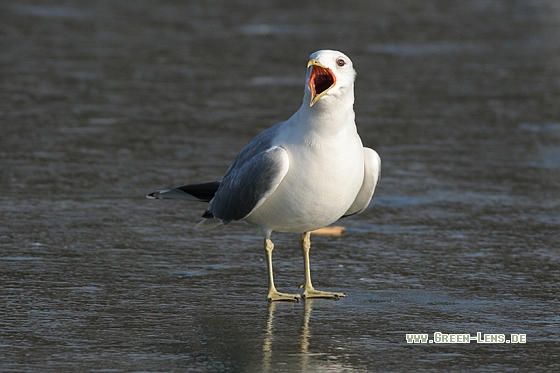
{"points": [[320, 81]]}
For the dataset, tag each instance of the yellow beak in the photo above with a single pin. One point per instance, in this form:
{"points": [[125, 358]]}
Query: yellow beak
{"points": [[321, 80]]}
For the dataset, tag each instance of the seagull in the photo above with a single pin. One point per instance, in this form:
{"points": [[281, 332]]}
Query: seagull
{"points": [[299, 175]]}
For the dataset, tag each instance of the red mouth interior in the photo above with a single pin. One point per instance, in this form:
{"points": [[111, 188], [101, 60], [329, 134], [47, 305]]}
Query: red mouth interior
{"points": [[321, 79]]}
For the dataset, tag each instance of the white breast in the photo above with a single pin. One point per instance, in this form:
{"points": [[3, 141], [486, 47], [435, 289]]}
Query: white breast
{"points": [[324, 177]]}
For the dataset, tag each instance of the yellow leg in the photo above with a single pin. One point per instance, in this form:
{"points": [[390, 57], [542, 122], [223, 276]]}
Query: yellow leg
{"points": [[308, 289], [274, 294]]}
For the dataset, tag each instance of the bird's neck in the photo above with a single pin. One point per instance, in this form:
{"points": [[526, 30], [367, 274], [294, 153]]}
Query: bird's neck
{"points": [[327, 118]]}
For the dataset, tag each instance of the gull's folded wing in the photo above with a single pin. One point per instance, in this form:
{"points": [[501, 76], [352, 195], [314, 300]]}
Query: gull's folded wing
{"points": [[246, 185], [372, 170]]}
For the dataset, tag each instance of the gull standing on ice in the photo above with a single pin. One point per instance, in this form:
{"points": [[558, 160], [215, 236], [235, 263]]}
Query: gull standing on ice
{"points": [[299, 175]]}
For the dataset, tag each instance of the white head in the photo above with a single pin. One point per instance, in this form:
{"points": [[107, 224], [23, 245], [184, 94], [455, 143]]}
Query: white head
{"points": [[330, 78]]}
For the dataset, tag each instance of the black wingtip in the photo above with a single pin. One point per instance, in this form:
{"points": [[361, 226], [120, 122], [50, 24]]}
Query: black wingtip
{"points": [[204, 192], [207, 214]]}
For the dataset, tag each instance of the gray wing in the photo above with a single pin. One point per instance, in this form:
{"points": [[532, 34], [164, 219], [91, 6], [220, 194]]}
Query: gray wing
{"points": [[372, 171], [248, 182]]}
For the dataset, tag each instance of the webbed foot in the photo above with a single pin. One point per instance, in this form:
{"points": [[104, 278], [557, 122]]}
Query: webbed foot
{"points": [[274, 295], [312, 293]]}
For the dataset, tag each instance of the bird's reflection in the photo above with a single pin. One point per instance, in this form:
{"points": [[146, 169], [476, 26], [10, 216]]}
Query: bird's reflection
{"points": [[268, 337], [305, 334]]}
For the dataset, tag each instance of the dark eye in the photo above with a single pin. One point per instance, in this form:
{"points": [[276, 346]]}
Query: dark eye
{"points": [[340, 62]]}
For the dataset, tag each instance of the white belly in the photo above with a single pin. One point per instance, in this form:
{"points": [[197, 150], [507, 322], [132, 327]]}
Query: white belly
{"points": [[317, 190]]}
